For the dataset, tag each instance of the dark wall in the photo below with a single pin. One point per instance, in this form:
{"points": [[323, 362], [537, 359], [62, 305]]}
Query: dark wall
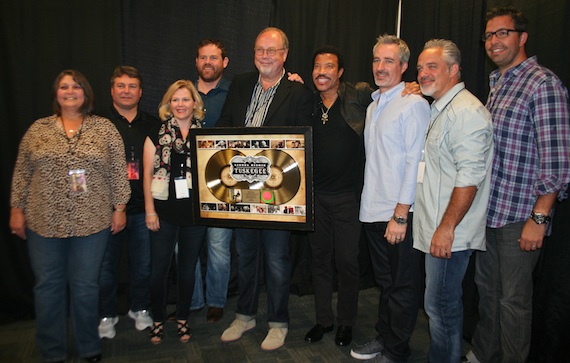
{"points": [[38, 39]]}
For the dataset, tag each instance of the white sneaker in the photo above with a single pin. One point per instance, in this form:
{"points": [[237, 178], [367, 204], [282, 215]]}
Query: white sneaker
{"points": [[142, 319], [107, 327], [275, 339], [236, 330]]}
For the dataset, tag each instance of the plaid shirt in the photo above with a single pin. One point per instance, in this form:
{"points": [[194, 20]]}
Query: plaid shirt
{"points": [[531, 119]]}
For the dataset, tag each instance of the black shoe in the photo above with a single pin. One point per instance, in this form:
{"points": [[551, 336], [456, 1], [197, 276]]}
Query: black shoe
{"points": [[93, 358], [214, 314], [316, 334], [343, 335], [171, 317]]}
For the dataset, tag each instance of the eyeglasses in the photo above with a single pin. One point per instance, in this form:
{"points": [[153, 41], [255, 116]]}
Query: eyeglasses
{"points": [[270, 51], [501, 33]]}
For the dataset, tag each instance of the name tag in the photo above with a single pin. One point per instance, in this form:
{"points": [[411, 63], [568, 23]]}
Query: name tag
{"points": [[421, 171], [181, 188], [77, 181]]}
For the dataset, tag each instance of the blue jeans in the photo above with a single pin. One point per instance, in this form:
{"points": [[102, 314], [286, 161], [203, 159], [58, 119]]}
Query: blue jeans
{"points": [[66, 272], [273, 246], [162, 245], [217, 270], [503, 275], [444, 307], [138, 238]]}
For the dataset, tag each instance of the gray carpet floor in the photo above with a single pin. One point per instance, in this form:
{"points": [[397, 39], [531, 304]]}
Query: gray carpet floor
{"points": [[129, 345]]}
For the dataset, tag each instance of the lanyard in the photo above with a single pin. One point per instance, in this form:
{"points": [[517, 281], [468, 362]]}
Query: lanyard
{"points": [[439, 114]]}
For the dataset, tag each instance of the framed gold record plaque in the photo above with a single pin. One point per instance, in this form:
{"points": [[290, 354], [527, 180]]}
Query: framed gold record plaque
{"points": [[253, 177]]}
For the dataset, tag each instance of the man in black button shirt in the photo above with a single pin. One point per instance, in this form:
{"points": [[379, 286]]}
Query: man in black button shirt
{"points": [[133, 125]]}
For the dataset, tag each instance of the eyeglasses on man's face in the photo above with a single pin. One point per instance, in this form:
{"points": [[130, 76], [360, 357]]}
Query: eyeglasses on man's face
{"points": [[501, 33], [270, 51]]}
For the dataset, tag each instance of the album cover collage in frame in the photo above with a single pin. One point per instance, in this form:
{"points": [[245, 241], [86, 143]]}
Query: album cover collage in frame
{"points": [[253, 177]]}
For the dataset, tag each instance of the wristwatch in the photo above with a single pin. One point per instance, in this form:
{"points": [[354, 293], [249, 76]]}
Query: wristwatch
{"points": [[539, 218], [400, 219]]}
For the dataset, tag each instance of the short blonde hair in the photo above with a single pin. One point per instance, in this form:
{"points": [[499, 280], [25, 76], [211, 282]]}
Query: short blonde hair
{"points": [[164, 110]]}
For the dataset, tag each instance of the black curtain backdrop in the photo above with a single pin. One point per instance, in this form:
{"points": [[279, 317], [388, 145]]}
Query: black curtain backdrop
{"points": [[39, 39], [460, 21], [352, 26], [160, 38]]}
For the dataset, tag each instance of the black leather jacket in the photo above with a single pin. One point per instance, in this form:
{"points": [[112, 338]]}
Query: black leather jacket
{"points": [[354, 99]]}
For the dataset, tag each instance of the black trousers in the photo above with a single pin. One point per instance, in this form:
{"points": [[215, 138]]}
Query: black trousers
{"points": [[334, 247], [398, 270]]}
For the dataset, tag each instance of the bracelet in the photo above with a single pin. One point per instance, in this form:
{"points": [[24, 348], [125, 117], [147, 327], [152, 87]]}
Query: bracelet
{"points": [[120, 209], [151, 214]]}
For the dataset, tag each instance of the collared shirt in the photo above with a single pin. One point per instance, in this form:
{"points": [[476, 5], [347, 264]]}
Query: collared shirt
{"points": [[531, 119], [458, 153], [134, 134], [214, 101], [393, 141], [260, 102], [41, 184]]}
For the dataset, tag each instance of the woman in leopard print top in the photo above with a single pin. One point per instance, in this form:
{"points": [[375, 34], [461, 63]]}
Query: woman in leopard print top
{"points": [[69, 192]]}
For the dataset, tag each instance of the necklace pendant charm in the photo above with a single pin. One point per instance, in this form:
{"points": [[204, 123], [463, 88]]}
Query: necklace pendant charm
{"points": [[324, 118]]}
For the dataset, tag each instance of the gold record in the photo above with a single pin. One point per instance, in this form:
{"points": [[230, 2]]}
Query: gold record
{"points": [[218, 178], [284, 180], [275, 178], [285, 176], [226, 177]]}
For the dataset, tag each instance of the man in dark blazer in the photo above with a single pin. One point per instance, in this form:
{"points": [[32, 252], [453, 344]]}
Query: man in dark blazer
{"points": [[265, 98]]}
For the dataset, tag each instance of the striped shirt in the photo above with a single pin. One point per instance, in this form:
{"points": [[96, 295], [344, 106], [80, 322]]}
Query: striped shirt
{"points": [[531, 119], [260, 102]]}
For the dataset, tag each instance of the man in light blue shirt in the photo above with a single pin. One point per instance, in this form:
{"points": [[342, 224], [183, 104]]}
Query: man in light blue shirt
{"points": [[452, 193], [393, 139]]}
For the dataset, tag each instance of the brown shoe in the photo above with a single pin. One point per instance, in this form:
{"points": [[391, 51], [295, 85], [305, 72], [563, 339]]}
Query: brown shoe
{"points": [[214, 314]]}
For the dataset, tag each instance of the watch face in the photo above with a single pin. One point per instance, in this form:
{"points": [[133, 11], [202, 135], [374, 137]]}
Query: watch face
{"points": [[400, 220], [539, 218]]}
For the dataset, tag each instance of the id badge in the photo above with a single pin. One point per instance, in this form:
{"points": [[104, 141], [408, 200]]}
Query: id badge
{"points": [[181, 188], [421, 171], [133, 170], [77, 181]]}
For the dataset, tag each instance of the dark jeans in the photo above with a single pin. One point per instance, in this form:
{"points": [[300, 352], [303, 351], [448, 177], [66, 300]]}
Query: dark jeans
{"points": [[137, 237], [504, 280], [334, 247], [162, 244], [273, 246], [398, 270]]}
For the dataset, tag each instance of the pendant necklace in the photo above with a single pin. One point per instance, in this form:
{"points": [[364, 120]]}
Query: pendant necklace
{"points": [[73, 141], [72, 131], [325, 115]]}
